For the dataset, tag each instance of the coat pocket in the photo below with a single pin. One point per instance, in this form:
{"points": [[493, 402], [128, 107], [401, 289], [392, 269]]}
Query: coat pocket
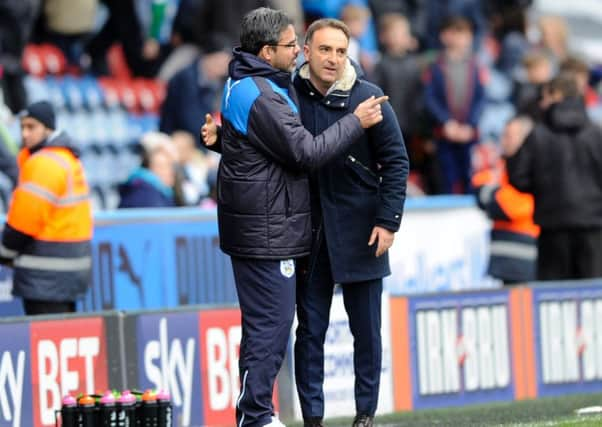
{"points": [[362, 173]]}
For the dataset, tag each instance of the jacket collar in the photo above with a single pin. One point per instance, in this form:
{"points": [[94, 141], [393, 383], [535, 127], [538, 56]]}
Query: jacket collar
{"points": [[245, 64]]}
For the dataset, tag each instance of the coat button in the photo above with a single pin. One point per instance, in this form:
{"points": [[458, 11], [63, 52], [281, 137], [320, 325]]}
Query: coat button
{"points": [[311, 93], [327, 102], [342, 104]]}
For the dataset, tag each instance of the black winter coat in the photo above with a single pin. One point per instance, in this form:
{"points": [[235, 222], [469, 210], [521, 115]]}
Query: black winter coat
{"points": [[263, 187], [362, 187], [560, 163]]}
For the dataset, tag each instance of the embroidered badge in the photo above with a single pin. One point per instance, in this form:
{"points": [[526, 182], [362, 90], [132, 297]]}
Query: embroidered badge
{"points": [[287, 268]]}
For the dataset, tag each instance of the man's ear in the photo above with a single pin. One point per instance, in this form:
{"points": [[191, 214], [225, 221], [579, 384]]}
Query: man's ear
{"points": [[265, 53]]}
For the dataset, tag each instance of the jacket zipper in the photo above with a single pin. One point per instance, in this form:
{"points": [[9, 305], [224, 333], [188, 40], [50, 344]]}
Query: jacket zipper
{"points": [[360, 164]]}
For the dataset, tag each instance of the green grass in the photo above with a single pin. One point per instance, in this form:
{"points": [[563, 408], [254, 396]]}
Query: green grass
{"points": [[557, 411]]}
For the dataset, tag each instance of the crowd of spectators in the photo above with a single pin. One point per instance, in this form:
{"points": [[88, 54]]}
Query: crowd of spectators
{"points": [[455, 71]]}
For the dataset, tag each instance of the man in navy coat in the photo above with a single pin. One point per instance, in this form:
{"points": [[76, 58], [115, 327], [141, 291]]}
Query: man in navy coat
{"points": [[357, 204]]}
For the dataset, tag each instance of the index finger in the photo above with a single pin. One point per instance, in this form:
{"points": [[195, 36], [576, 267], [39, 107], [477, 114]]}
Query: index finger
{"points": [[380, 100]]}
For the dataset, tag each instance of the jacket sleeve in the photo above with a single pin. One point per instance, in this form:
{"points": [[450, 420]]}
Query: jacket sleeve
{"points": [[519, 166], [276, 130], [392, 158], [434, 97], [478, 99]]}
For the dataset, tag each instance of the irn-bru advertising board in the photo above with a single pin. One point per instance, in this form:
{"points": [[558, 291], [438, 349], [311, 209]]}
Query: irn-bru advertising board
{"points": [[41, 361], [567, 331], [457, 349]]}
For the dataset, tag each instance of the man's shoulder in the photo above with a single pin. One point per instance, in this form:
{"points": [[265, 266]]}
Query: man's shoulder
{"points": [[364, 89]]}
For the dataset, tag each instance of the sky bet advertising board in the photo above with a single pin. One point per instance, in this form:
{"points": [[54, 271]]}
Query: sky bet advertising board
{"points": [[42, 361], [461, 351], [567, 326], [194, 356]]}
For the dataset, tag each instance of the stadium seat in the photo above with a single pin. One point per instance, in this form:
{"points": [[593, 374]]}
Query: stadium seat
{"points": [[53, 59], [32, 61]]}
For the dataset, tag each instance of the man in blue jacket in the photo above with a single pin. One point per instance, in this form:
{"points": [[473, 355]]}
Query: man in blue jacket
{"points": [[357, 205], [263, 195]]}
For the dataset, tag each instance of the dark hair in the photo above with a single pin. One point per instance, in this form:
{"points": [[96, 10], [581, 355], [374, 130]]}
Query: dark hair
{"points": [[324, 23], [565, 83], [573, 64], [260, 27], [456, 22]]}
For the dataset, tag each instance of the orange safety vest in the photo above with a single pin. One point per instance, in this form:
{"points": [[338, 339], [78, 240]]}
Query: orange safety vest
{"points": [[517, 206], [51, 204]]}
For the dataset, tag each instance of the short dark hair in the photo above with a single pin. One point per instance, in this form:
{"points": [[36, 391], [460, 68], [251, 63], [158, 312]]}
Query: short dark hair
{"points": [[565, 83], [260, 27], [573, 64], [324, 23], [456, 22]]}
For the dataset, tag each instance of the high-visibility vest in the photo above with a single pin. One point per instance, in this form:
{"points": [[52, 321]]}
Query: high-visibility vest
{"points": [[52, 205]]}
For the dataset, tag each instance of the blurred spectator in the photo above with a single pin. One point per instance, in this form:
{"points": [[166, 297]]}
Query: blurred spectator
{"points": [[509, 27], [316, 9], [183, 39], [16, 22], [293, 10], [580, 69], [356, 18], [513, 249], [194, 166], [194, 92], [560, 165], [413, 10], [438, 12], [554, 37], [66, 23], [143, 52], [455, 98], [398, 72], [220, 19], [152, 184], [538, 70]]}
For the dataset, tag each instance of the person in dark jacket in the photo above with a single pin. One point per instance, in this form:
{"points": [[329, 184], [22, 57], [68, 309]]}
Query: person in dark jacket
{"points": [[455, 97], [193, 92], [560, 165], [357, 205], [513, 248], [263, 195]]}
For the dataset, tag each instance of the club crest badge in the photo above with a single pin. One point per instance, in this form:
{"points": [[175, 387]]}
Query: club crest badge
{"points": [[287, 268]]}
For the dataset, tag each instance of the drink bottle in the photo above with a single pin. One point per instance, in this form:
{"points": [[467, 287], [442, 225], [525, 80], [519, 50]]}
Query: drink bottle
{"points": [[164, 413], [87, 411], [69, 412], [148, 409], [107, 413], [126, 410]]}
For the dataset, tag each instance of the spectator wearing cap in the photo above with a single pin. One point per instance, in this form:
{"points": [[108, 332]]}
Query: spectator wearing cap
{"points": [[46, 238]]}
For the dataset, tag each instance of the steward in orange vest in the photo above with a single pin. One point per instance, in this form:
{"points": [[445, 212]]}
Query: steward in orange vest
{"points": [[513, 250], [49, 225]]}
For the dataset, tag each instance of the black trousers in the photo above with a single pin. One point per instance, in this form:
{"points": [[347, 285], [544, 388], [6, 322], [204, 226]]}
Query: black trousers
{"points": [[569, 254], [266, 294], [362, 302], [32, 307]]}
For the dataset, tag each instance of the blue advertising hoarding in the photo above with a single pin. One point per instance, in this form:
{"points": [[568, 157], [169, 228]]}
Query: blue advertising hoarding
{"points": [[461, 349], [567, 328]]}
